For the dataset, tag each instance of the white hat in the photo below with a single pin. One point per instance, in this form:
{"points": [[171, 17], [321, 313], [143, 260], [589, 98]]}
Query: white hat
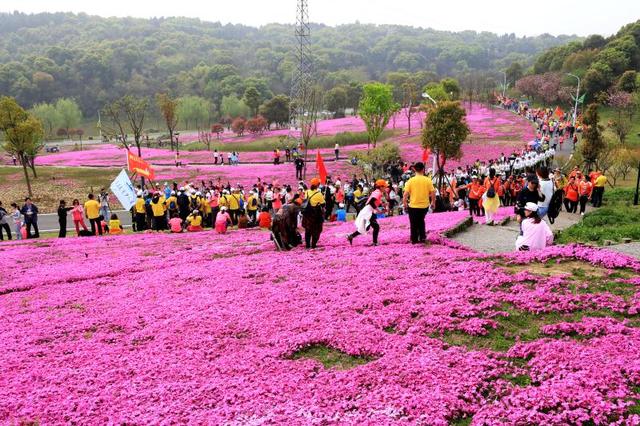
{"points": [[223, 208], [341, 205], [198, 193], [139, 193], [532, 207], [173, 192]]}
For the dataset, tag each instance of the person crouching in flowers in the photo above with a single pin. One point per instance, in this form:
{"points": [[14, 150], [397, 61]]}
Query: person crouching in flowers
{"points": [[536, 234], [367, 218], [115, 227], [195, 222], [223, 220]]}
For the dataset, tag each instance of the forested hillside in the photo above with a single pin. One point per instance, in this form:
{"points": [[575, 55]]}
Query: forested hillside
{"points": [[44, 57], [604, 65]]}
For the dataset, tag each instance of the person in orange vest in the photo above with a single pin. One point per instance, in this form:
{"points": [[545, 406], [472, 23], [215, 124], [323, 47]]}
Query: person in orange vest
{"points": [[476, 190], [585, 188], [571, 196]]}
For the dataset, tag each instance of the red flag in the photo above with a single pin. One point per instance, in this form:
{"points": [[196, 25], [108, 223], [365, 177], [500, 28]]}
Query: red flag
{"points": [[138, 165], [322, 170], [425, 155], [559, 112]]}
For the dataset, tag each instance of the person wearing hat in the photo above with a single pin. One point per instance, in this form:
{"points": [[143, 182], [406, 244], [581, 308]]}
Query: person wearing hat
{"points": [[139, 209], [285, 225], [367, 218], [312, 214], [159, 213], [535, 234], [223, 220], [419, 193], [530, 193], [194, 221]]}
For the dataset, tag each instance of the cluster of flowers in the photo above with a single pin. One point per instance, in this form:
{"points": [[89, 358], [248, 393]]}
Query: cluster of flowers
{"points": [[101, 332]]}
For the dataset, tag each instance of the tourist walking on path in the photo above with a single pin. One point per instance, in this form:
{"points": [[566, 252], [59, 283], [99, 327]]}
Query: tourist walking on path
{"points": [[63, 210], [419, 194], [546, 188], [299, 163], [4, 223], [92, 212], [536, 234], [336, 150], [585, 189], [17, 221], [598, 189], [30, 213], [312, 214]]}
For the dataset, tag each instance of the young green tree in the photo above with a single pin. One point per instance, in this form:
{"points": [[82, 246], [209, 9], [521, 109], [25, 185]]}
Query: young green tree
{"points": [[335, 100], [276, 110], [194, 109], [48, 116], [169, 110], [233, 107], [376, 108], [445, 129], [69, 113], [23, 134], [593, 143], [252, 99]]}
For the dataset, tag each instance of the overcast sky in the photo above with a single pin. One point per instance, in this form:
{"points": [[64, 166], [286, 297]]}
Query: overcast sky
{"points": [[535, 17]]}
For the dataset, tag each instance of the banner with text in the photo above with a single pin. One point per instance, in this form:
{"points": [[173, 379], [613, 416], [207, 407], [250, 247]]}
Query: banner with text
{"points": [[123, 189], [137, 165]]}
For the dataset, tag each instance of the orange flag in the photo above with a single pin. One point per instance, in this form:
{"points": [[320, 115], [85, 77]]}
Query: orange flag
{"points": [[322, 170], [425, 155], [559, 112], [138, 165]]}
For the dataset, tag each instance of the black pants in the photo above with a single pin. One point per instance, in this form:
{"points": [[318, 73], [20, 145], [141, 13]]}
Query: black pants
{"points": [[159, 223], [349, 203], [7, 228], [140, 222], [233, 214], [298, 174], [583, 203], [570, 206], [474, 208], [596, 197], [312, 230], [373, 224], [95, 224], [416, 221], [63, 228], [36, 233], [252, 215]]}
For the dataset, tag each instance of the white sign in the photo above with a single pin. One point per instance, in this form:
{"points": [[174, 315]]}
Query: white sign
{"points": [[123, 189]]}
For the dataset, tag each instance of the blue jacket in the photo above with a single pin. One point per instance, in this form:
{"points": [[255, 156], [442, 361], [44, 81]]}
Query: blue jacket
{"points": [[33, 216]]}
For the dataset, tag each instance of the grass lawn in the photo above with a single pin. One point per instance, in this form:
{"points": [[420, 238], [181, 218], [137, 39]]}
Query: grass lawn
{"points": [[53, 184], [633, 139], [617, 219]]}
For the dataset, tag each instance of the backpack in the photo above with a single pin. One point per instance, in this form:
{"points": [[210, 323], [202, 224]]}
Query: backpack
{"points": [[555, 205], [254, 202], [491, 193], [306, 205], [172, 205]]}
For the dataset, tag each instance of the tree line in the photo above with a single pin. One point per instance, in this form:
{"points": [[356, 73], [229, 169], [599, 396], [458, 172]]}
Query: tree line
{"points": [[94, 60]]}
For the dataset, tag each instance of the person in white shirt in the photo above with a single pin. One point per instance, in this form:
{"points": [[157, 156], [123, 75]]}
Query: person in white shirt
{"points": [[547, 189]]}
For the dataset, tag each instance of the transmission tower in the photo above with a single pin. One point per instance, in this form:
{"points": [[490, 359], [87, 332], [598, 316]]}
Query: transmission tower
{"points": [[301, 81]]}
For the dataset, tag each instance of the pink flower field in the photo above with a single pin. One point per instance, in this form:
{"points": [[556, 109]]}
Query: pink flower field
{"points": [[221, 329], [493, 131]]}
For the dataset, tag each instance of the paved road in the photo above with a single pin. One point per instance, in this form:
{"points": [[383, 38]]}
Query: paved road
{"points": [[49, 222]]}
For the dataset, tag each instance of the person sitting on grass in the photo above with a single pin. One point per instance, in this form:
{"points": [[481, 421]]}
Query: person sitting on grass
{"points": [[175, 223], [536, 234], [264, 218], [195, 222], [223, 220], [243, 220], [115, 227]]}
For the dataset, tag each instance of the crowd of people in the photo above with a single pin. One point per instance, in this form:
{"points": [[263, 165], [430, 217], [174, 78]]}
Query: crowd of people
{"points": [[525, 179]]}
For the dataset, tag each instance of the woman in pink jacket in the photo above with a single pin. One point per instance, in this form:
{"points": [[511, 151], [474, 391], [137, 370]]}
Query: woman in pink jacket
{"points": [[77, 214]]}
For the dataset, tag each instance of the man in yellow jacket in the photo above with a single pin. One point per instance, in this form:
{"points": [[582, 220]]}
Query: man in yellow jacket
{"points": [[419, 193], [313, 214], [92, 211], [140, 210]]}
